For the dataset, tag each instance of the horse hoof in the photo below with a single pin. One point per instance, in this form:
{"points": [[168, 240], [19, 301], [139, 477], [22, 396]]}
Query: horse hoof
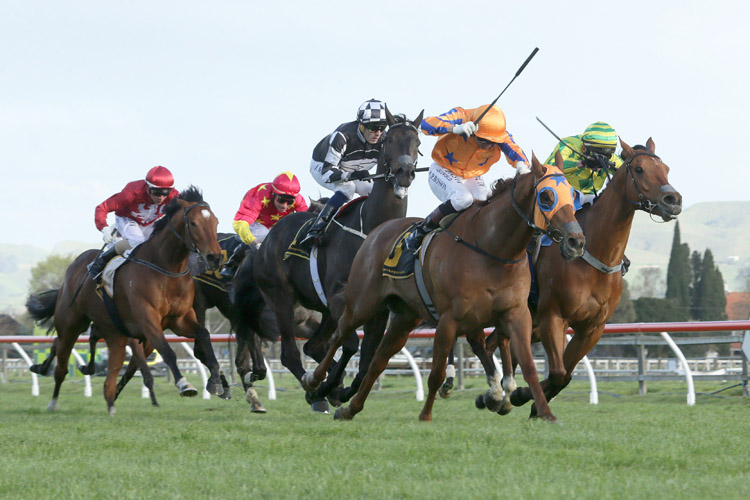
{"points": [[517, 399], [446, 388], [479, 402], [112, 411], [308, 382], [505, 408], [37, 369], [333, 397], [226, 395], [321, 407], [188, 391], [214, 388], [84, 369], [257, 408], [343, 414], [493, 405]]}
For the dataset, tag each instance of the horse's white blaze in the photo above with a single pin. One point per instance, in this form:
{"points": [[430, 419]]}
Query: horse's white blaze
{"points": [[206, 213], [400, 192], [496, 390]]}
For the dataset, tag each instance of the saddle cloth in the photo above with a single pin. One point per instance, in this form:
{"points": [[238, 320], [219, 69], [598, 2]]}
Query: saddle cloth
{"points": [[295, 250], [400, 264]]}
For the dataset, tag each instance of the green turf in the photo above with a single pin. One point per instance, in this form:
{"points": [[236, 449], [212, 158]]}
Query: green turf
{"points": [[628, 446]]}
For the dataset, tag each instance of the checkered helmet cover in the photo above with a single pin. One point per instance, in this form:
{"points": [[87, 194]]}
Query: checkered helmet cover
{"points": [[371, 112]]}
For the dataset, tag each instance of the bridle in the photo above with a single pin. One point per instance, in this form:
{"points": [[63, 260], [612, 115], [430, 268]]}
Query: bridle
{"points": [[192, 247], [388, 174], [643, 203]]}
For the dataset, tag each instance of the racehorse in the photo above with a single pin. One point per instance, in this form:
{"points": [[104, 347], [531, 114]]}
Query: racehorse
{"points": [[475, 272], [584, 293], [287, 283], [152, 291]]}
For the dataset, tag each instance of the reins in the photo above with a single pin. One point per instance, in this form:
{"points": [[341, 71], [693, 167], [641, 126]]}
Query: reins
{"points": [[192, 247]]}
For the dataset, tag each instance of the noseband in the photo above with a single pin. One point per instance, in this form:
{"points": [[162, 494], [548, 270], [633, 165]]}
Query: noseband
{"points": [[643, 203]]}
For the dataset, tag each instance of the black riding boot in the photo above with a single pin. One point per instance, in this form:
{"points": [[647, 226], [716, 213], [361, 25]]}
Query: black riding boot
{"points": [[414, 240], [234, 261], [315, 232], [96, 268]]}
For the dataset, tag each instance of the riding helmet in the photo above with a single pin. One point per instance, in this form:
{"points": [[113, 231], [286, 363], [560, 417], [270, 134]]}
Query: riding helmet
{"points": [[372, 112], [600, 135], [286, 183], [159, 177], [492, 124]]}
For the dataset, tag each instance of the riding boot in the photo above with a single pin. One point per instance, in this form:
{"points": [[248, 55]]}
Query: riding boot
{"points": [[414, 240], [96, 268], [230, 267], [315, 233], [625, 264]]}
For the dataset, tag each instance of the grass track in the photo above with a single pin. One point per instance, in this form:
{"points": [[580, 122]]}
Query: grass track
{"points": [[626, 447]]}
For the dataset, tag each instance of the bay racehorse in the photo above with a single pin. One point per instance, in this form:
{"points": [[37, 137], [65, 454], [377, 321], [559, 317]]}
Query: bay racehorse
{"points": [[287, 283], [152, 291], [476, 274], [584, 293]]}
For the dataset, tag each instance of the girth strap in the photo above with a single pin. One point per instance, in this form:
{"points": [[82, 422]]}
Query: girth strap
{"points": [[422, 289]]}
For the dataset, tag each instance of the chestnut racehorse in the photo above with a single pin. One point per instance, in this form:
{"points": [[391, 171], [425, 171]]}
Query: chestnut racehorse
{"points": [[152, 291], [584, 293], [476, 273]]}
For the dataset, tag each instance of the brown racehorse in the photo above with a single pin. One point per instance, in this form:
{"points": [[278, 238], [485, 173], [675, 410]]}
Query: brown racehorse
{"points": [[584, 295], [152, 292], [476, 273]]}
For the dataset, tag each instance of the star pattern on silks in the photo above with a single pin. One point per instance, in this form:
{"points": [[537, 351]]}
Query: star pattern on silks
{"points": [[450, 158], [266, 201], [277, 217]]}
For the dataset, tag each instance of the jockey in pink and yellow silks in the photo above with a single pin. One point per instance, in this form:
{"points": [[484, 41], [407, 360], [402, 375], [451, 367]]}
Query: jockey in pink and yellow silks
{"points": [[261, 208], [465, 151]]}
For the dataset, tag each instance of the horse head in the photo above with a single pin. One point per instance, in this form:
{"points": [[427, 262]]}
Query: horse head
{"points": [[398, 155], [554, 208], [198, 228], [649, 181]]}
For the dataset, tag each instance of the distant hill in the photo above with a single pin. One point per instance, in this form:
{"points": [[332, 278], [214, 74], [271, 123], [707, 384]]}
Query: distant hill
{"points": [[16, 262], [721, 226]]}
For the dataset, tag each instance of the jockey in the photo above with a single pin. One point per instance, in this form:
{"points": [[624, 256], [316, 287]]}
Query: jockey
{"points": [[344, 157], [464, 152], [587, 174], [261, 208], [136, 208]]}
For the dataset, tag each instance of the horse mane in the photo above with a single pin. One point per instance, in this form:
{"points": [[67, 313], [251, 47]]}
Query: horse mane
{"points": [[400, 118], [317, 205], [192, 194]]}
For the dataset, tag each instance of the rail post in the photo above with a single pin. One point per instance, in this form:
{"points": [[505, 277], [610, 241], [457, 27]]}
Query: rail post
{"points": [[460, 346], [685, 366], [642, 389]]}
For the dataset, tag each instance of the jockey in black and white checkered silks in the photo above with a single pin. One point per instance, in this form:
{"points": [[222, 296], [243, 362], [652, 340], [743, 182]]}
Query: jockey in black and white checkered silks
{"points": [[343, 158]]}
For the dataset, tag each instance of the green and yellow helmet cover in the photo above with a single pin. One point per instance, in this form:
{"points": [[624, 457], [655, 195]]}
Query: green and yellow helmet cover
{"points": [[600, 135]]}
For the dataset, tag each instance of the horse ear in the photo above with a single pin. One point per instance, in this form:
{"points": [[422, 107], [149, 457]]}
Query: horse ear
{"points": [[626, 149], [418, 121], [389, 117], [651, 145], [536, 166], [559, 162]]}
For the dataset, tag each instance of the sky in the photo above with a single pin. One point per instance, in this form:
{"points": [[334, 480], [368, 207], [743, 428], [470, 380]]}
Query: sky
{"points": [[228, 94]]}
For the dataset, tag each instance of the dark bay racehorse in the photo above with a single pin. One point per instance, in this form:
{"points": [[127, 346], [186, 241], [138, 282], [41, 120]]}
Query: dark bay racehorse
{"points": [[152, 292], [584, 293], [476, 273], [286, 284]]}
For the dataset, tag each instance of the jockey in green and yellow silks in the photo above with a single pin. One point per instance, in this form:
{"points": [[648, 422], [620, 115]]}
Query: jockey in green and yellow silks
{"points": [[586, 175]]}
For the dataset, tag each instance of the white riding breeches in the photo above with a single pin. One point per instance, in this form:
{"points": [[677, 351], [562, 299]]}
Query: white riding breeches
{"points": [[349, 188], [461, 192], [132, 231], [259, 231]]}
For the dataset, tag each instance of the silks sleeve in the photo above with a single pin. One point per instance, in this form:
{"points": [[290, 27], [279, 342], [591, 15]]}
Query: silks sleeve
{"points": [[242, 228]]}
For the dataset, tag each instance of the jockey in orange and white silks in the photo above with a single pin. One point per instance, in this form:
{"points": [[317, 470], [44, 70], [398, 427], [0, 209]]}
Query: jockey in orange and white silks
{"points": [[136, 208], [344, 157], [464, 152], [261, 208]]}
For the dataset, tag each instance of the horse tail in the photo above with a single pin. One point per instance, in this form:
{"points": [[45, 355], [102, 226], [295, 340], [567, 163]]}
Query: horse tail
{"points": [[41, 306], [247, 301]]}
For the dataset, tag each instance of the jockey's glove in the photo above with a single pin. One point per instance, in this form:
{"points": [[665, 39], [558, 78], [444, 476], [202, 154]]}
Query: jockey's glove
{"points": [[108, 234], [466, 129], [522, 168], [358, 175], [338, 175]]}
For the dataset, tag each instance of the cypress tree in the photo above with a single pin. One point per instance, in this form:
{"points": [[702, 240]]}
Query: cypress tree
{"points": [[696, 263], [712, 301], [679, 272]]}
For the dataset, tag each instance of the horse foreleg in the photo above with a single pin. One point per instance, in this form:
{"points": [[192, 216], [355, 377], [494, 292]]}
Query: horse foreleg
{"points": [[116, 358], [249, 348], [373, 334], [445, 336], [43, 367], [139, 359], [393, 341], [450, 374], [90, 367], [517, 325], [493, 399], [188, 326]]}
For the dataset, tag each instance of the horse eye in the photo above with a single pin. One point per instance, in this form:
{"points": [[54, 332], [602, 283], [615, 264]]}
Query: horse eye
{"points": [[638, 170]]}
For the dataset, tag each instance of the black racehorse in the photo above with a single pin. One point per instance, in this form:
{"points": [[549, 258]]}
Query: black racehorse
{"points": [[286, 282]]}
